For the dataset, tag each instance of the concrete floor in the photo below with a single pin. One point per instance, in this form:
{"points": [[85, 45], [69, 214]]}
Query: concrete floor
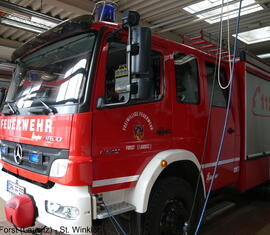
{"points": [[2, 213], [250, 215]]}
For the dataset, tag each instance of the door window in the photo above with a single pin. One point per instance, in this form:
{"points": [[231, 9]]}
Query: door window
{"points": [[117, 82]]}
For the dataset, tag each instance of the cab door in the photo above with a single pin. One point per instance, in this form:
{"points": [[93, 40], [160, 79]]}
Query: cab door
{"points": [[127, 136], [189, 114], [216, 108]]}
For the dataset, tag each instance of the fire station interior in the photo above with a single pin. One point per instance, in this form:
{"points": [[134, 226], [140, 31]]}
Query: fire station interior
{"points": [[183, 21]]}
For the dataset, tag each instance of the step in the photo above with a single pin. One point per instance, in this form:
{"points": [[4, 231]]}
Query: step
{"points": [[115, 209]]}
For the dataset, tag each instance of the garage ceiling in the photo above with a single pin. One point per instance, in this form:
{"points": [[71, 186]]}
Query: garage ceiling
{"points": [[168, 18]]}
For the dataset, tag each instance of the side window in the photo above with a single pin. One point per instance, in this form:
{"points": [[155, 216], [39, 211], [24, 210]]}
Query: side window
{"points": [[116, 74], [219, 96], [116, 81], [187, 79]]}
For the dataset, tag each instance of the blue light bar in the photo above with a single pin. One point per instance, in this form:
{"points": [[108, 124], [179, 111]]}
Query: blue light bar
{"points": [[106, 12], [4, 149], [34, 157]]}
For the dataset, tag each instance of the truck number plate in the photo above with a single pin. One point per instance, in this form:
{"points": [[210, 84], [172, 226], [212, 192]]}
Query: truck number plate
{"points": [[15, 188]]}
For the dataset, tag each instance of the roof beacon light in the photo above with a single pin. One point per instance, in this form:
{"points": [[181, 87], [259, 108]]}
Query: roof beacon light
{"points": [[106, 11]]}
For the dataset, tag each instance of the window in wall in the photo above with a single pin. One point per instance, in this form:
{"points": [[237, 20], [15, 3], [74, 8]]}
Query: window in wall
{"points": [[117, 76], [187, 79], [220, 96]]}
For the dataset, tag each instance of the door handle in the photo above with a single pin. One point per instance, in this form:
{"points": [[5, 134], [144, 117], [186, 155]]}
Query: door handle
{"points": [[164, 131], [230, 131]]}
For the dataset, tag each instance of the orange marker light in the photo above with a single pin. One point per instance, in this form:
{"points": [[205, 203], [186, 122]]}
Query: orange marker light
{"points": [[164, 163]]}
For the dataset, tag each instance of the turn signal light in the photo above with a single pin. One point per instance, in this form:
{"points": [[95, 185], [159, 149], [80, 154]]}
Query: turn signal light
{"points": [[164, 163], [59, 168]]}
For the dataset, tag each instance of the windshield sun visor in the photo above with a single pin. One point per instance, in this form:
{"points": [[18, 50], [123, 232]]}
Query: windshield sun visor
{"points": [[65, 29]]}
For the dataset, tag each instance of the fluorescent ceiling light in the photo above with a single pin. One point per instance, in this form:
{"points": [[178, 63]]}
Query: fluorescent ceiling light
{"points": [[33, 24], [43, 22], [255, 35], [230, 11], [264, 56], [21, 25], [34, 21]]}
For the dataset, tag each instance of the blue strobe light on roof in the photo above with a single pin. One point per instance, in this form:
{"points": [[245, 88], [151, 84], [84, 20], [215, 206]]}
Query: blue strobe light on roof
{"points": [[106, 11]]}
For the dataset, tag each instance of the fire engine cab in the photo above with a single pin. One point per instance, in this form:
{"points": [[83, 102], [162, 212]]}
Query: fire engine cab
{"points": [[103, 119]]}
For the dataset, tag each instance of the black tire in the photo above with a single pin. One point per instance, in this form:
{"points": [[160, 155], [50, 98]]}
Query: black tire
{"points": [[169, 208]]}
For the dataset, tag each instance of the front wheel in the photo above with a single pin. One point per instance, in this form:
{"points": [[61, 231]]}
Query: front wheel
{"points": [[169, 208]]}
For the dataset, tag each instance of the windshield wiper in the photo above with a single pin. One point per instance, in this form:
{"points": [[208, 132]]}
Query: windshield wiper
{"points": [[50, 110], [11, 108]]}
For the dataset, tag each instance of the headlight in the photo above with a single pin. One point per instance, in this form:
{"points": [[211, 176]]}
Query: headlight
{"points": [[66, 212], [59, 168]]}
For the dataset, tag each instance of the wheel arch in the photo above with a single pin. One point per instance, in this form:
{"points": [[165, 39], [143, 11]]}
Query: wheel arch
{"points": [[181, 163]]}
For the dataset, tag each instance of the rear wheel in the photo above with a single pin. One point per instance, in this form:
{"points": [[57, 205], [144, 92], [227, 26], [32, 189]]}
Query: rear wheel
{"points": [[169, 208]]}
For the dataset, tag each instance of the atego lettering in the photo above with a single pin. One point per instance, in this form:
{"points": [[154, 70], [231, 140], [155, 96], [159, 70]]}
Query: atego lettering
{"points": [[34, 125]]}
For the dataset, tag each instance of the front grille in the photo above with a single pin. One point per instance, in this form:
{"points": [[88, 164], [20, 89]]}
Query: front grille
{"points": [[47, 156]]}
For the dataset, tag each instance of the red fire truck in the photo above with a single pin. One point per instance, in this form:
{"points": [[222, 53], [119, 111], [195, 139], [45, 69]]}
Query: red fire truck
{"points": [[102, 119]]}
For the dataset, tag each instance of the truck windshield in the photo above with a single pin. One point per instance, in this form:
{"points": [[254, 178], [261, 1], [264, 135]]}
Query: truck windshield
{"points": [[54, 75]]}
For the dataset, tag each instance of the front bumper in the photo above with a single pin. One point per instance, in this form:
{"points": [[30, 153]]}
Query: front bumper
{"points": [[76, 196]]}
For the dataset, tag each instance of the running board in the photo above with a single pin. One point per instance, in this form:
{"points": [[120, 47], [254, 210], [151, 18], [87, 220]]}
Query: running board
{"points": [[115, 209]]}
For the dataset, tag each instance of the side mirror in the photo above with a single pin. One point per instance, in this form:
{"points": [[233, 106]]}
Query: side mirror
{"points": [[141, 57], [141, 62], [130, 19], [138, 82], [138, 55]]}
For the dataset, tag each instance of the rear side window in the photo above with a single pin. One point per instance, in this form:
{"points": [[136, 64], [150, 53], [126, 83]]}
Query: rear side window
{"points": [[219, 96], [187, 79]]}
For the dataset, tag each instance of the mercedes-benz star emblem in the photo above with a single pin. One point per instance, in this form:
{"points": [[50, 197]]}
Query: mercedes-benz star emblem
{"points": [[18, 154]]}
